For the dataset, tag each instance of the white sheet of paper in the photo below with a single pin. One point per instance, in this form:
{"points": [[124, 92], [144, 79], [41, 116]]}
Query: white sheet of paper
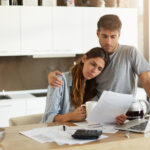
{"points": [[109, 106], [56, 134]]}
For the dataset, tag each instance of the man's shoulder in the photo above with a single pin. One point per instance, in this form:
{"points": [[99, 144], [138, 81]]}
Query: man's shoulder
{"points": [[128, 50], [127, 47]]}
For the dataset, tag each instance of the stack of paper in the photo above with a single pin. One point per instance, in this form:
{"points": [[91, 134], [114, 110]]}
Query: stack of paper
{"points": [[56, 134]]}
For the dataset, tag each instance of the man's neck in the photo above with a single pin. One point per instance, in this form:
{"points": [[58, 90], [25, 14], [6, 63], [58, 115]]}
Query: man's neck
{"points": [[115, 49]]}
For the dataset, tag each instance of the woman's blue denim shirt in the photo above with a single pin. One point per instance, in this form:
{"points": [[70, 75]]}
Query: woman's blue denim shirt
{"points": [[58, 99]]}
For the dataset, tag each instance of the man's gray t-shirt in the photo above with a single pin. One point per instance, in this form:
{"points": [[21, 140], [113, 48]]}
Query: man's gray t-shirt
{"points": [[120, 75]]}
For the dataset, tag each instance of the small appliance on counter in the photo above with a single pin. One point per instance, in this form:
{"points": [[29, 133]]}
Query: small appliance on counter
{"points": [[138, 109]]}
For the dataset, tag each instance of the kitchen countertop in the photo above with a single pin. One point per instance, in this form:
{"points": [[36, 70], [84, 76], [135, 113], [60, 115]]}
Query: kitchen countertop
{"points": [[23, 94]]}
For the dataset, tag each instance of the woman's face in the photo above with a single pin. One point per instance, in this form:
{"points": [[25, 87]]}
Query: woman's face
{"points": [[92, 67]]}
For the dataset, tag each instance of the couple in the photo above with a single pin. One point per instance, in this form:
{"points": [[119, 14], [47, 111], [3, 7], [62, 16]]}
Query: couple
{"points": [[80, 84]]}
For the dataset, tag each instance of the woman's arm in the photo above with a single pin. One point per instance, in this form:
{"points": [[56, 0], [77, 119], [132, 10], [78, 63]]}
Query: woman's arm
{"points": [[78, 114], [53, 104], [53, 107]]}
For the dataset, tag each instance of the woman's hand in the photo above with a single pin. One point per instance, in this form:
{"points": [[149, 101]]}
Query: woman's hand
{"points": [[121, 119], [78, 114], [53, 80]]}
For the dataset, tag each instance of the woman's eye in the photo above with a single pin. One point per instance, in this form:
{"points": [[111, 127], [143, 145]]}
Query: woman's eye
{"points": [[93, 64], [100, 69]]}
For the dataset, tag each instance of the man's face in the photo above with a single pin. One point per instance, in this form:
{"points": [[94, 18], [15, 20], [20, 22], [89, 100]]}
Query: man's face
{"points": [[108, 39]]}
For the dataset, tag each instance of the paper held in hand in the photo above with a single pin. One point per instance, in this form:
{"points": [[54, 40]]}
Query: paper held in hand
{"points": [[109, 106]]}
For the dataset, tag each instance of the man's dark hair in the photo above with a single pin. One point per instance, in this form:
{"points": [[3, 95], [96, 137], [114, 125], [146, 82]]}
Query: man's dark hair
{"points": [[110, 22]]}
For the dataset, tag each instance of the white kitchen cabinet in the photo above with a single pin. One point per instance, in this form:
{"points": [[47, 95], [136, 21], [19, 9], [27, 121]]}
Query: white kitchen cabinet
{"points": [[9, 31], [91, 17], [36, 105], [36, 30], [5, 112], [11, 108], [58, 30], [19, 107], [67, 28]]}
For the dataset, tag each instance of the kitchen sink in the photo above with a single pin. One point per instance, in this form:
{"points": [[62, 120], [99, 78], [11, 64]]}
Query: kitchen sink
{"points": [[39, 94], [4, 97]]}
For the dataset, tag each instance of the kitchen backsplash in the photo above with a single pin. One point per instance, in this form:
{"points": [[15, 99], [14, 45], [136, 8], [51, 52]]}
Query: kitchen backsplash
{"points": [[25, 73]]}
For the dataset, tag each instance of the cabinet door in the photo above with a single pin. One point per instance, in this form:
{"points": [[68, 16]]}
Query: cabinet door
{"points": [[9, 31], [5, 112], [91, 16], [67, 25], [36, 105], [18, 107], [36, 30]]}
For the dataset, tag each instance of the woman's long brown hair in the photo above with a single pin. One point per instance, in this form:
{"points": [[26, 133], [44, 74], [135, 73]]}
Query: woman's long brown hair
{"points": [[83, 90]]}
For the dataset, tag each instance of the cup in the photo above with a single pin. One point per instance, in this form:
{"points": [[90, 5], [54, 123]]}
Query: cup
{"points": [[89, 106], [110, 3]]}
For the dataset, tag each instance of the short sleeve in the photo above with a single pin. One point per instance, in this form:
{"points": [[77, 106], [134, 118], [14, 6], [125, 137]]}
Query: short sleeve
{"points": [[138, 62]]}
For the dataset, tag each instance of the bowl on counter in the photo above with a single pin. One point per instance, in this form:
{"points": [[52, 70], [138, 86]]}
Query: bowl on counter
{"points": [[2, 134]]}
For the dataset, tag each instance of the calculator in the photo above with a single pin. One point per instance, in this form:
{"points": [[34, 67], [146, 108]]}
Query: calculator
{"points": [[87, 134]]}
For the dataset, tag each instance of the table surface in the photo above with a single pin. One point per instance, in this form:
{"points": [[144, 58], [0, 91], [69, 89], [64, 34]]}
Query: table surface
{"points": [[15, 141]]}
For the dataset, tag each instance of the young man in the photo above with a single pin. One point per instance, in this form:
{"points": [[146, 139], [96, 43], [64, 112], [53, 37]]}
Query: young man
{"points": [[125, 64]]}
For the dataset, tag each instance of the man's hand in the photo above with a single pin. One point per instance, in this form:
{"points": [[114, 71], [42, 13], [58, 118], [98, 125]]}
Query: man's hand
{"points": [[53, 80], [78, 114], [121, 119]]}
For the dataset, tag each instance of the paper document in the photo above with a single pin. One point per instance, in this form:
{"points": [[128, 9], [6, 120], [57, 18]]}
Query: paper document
{"points": [[109, 106], [97, 126], [56, 134]]}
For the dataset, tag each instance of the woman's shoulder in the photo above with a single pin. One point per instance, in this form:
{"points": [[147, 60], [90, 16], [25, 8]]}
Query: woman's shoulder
{"points": [[66, 77]]}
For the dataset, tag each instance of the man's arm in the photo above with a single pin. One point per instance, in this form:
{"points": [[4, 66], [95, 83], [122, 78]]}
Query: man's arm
{"points": [[145, 80], [53, 80]]}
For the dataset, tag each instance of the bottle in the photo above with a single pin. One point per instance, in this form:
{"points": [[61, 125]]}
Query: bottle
{"points": [[20, 2], [101, 3], [40, 2], [110, 3], [49, 2], [30, 2], [123, 4], [13, 2], [4, 2], [70, 3]]}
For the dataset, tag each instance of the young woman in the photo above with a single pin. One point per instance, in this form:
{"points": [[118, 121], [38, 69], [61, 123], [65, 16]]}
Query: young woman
{"points": [[63, 104]]}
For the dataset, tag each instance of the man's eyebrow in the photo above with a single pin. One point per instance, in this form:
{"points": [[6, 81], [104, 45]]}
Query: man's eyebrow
{"points": [[104, 35]]}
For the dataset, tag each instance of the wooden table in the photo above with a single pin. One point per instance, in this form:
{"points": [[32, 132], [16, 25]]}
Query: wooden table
{"points": [[15, 141]]}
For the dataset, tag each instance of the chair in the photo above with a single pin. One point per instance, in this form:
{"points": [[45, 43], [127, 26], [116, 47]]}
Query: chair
{"points": [[24, 120]]}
